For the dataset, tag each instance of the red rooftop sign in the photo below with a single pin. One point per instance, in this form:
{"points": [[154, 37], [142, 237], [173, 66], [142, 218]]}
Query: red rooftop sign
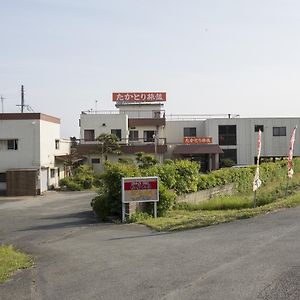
{"points": [[140, 97]]}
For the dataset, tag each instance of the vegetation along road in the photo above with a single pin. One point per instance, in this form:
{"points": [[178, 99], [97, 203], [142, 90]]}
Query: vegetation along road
{"points": [[76, 257]]}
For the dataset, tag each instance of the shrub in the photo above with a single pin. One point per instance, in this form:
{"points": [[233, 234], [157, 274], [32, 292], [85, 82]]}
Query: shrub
{"points": [[83, 178], [110, 192], [100, 205], [167, 200], [145, 160], [70, 184], [187, 176]]}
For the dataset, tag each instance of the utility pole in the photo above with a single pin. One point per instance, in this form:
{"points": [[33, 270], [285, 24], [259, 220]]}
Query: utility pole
{"points": [[2, 105], [22, 98]]}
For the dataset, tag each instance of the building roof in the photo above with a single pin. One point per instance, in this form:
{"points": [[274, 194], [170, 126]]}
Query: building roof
{"points": [[197, 149], [29, 116]]}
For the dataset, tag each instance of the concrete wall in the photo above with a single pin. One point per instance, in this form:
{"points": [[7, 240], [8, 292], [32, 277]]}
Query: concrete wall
{"points": [[247, 137], [205, 195], [27, 133], [111, 121]]}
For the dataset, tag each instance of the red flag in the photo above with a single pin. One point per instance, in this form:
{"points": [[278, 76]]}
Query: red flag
{"points": [[291, 152]]}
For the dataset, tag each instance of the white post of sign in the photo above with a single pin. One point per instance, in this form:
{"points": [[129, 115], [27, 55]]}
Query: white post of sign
{"points": [[155, 209], [123, 203]]}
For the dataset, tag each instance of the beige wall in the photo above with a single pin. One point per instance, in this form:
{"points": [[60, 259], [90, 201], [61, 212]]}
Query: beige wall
{"points": [[111, 121]]}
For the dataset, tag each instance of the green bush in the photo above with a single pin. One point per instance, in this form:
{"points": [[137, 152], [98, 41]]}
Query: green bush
{"points": [[101, 207], [111, 189], [167, 200], [187, 176], [70, 184], [83, 178]]}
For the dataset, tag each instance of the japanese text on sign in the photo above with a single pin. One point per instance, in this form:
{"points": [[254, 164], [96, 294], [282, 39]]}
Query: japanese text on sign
{"points": [[140, 189], [140, 97], [197, 140]]}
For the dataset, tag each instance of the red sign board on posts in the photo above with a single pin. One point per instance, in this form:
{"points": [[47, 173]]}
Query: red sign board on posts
{"points": [[189, 140], [140, 189], [140, 97]]}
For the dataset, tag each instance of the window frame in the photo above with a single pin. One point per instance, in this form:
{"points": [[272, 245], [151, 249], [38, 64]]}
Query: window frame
{"points": [[279, 130], [135, 138], [187, 131], [257, 127], [13, 146], [229, 138], [117, 132]]}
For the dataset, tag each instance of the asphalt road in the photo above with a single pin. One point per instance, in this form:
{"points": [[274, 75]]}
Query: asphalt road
{"points": [[78, 258]]}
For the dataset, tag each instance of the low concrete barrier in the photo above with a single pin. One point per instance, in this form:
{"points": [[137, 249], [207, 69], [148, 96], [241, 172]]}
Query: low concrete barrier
{"points": [[204, 195]]}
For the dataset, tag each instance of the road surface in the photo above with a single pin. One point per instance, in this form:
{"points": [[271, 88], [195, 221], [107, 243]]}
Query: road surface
{"points": [[77, 257]]}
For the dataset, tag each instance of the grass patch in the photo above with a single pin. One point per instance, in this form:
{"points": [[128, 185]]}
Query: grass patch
{"points": [[180, 219], [12, 260]]}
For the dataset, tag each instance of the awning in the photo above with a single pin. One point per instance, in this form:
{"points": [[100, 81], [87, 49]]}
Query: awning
{"points": [[197, 149]]}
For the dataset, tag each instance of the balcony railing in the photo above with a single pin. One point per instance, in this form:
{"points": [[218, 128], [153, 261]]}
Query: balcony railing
{"points": [[132, 114], [128, 141]]}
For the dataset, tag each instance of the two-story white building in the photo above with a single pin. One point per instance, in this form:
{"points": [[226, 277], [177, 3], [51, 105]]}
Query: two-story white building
{"points": [[144, 126], [138, 125], [30, 153]]}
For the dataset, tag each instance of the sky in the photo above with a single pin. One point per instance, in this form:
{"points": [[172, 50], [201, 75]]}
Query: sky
{"points": [[210, 57]]}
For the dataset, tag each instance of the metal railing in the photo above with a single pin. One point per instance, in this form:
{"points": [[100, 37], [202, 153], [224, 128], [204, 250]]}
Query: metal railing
{"points": [[132, 114], [177, 117], [126, 141]]}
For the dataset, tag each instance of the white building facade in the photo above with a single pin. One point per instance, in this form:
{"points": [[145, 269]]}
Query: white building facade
{"points": [[30, 142], [209, 140]]}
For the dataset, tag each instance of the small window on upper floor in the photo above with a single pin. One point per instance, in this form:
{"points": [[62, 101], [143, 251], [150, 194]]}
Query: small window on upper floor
{"points": [[117, 132], [56, 144], [12, 144], [279, 131], [89, 135], [189, 131], [259, 127]]}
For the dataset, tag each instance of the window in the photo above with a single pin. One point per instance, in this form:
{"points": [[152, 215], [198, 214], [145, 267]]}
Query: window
{"points": [[257, 127], [52, 173], [12, 144], [279, 131], [117, 132], [95, 160], [56, 144], [2, 177], [149, 135], [228, 154], [189, 131], [227, 134], [89, 135], [133, 135]]}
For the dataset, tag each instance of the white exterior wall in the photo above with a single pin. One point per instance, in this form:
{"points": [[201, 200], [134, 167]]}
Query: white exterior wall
{"points": [[111, 121], [174, 130], [141, 110], [27, 133], [247, 137], [36, 147]]}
